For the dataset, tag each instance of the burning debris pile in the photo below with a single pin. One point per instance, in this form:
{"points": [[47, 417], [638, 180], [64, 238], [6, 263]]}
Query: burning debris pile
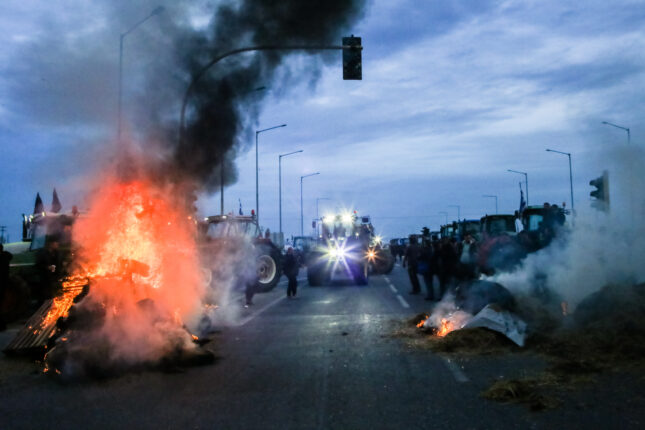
{"points": [[135, 286], [476, 304], [606, 332]]}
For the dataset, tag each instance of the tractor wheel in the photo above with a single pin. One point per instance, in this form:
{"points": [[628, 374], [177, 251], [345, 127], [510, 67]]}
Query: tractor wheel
{"points": [[269, 267]]}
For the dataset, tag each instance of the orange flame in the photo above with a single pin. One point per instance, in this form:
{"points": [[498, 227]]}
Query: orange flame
{"points": [[446, 327], [420, 324], [137, 250], [136, 243]]}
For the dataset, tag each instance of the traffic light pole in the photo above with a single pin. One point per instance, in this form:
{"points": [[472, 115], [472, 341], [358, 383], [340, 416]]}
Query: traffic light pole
{"points": [[211, 63]]}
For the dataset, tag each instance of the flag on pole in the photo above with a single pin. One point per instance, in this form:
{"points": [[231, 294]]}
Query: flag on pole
{"points": [[38, 206], [522, 201], [240, 211], [56, 206]]}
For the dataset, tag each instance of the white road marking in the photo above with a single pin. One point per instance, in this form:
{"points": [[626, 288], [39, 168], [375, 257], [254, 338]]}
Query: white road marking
{"points": [[259, 311], [393, 288], [455, 370], [402, 301], [386, 278]]}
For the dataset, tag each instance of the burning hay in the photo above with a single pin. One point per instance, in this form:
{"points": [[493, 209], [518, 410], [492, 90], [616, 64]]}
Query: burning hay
{"points": [[138, 264]]}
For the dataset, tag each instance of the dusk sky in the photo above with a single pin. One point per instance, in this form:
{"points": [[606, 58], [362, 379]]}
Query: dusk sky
{"points": [[453, 94]]}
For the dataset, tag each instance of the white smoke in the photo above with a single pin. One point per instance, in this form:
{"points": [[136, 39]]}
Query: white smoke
{"points": [[601, 248]]}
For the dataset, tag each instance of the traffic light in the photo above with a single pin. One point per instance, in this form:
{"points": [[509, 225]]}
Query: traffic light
{"points": [[352, 58], [601, 193]]}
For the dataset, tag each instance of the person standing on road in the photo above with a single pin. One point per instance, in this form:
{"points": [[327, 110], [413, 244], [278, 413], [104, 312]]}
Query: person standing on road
{"points": [[449, 259], [5, 258], [291, 268], [428, 256], [411, 260]]}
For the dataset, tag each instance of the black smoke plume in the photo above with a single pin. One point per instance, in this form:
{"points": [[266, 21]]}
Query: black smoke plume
{"points": [[65, 76], [224, 105]]}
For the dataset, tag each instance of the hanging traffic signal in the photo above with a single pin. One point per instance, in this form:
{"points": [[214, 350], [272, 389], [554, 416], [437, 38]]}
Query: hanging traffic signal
{"points": [[352, 58], [601, 193]]}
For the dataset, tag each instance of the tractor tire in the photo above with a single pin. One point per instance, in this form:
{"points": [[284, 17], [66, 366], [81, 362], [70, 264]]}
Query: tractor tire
{"points": [[359, 273], [315, 276], [269, 267], [384, 263], [316, 270]]}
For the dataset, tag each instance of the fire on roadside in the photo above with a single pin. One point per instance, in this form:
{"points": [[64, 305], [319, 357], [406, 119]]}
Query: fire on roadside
{"points": [[423, 321], [446, 327], [136, 253]]}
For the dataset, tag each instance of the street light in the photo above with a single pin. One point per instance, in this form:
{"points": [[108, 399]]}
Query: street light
{"points": [[568, 154], [317, 200], [622, 128], [280, 181], [458, 211], [257, 182], [318, 216], [491, 196], [156, 11], [444, 213], [526, 182], [302, 218]]}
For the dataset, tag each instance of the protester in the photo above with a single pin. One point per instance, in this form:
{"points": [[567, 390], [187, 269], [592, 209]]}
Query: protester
{"points": [[5, 259], [449, 259], [249, 292], [518, 222], [411, 261], [428, 257], [467, 258], [291, 268]]}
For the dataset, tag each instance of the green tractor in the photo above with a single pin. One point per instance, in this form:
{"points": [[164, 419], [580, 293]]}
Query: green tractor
{"points": [[347, 249]]}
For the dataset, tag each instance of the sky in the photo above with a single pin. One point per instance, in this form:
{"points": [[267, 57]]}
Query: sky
{"points": [[454, 93]]}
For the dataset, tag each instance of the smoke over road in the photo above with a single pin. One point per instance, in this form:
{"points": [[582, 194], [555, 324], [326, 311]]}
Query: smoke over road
{"points": [[603, 248], [71, 74]]}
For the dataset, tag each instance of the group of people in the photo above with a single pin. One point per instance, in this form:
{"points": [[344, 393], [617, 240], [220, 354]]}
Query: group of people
{"points": [[446, 260]]}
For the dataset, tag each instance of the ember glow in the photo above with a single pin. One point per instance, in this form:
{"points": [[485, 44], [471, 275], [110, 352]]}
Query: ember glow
{"points": [[423, 321], [446, 327]]}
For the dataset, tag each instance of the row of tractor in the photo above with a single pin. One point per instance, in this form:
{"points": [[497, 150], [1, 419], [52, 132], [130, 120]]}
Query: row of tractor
{"points": [[503, 240], [233, 250]]}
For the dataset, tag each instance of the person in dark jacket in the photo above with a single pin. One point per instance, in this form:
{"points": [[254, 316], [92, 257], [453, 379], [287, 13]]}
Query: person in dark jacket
{"points": [[449, 260], [411, 260], [291, 268], [429, 258]]}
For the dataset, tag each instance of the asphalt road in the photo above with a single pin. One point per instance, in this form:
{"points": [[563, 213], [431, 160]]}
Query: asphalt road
{"points": [[325, 360]]}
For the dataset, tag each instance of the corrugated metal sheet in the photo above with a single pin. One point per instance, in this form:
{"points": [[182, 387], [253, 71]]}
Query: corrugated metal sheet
{"points": [[37, 331]]}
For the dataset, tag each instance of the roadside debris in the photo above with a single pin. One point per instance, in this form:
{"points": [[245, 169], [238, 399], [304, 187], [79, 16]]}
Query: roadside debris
{"points": [[604, 333], [477, 304]]}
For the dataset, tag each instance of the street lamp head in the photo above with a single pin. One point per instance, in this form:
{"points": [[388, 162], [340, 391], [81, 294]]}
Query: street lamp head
{"points": [[157, 11]]}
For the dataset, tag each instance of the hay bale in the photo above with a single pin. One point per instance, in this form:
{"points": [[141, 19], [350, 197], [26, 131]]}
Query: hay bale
{"points": [[522, 391]]}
